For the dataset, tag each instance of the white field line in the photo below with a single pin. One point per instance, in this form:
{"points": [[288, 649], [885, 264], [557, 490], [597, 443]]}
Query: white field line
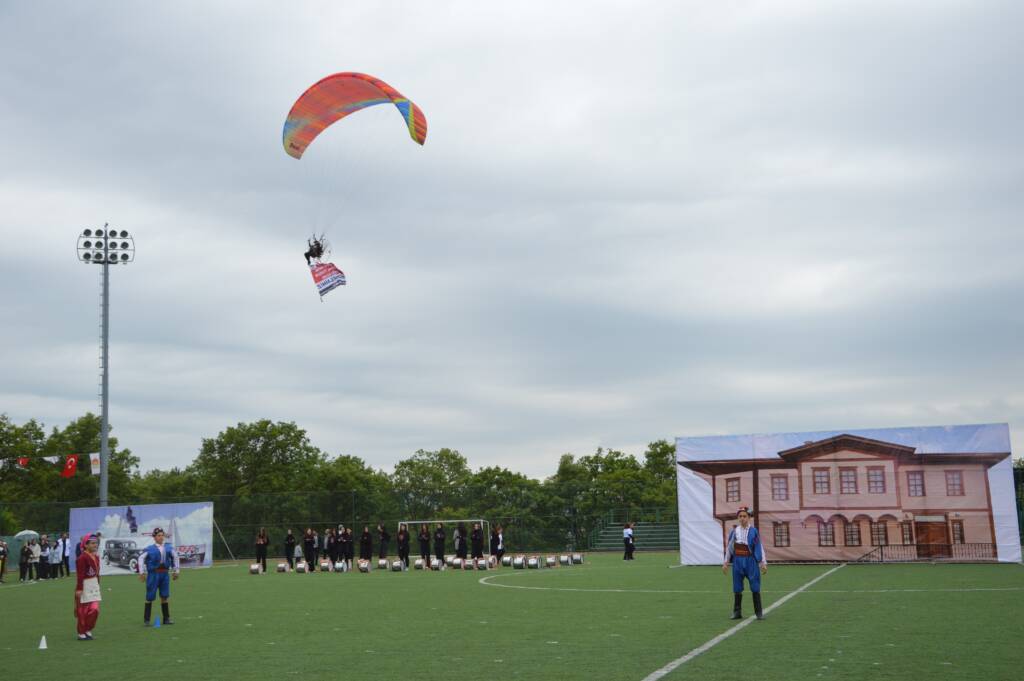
{"points": [[486, 582], [726, 634]]}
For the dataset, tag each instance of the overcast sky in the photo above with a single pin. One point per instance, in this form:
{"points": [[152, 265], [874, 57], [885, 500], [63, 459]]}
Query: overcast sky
{"points": [[630, 221]]}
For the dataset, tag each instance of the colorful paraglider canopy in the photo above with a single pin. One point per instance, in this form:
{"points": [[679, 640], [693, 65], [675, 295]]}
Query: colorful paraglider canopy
{"points": [[337, 96]]}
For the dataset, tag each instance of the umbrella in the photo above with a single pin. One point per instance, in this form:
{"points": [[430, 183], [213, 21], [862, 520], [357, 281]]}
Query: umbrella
{"points": [[25, 535]]}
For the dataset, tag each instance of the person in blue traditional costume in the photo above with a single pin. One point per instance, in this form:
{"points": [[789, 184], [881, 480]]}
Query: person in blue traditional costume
{"points": [[746, 554], [158, 564]]}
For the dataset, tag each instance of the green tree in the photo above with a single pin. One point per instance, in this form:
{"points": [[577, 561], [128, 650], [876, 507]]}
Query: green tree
{"points": [[430, 483]]}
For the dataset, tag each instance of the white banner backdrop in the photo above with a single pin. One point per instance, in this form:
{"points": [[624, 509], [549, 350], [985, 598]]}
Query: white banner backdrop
{"points": [[975, 499]]}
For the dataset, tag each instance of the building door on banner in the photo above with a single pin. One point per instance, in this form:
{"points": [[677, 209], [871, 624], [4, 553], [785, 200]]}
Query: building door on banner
{"points": [[931, 540]]}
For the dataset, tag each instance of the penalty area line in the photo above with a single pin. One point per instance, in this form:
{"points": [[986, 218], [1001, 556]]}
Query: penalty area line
{"points": [[653, 676]]}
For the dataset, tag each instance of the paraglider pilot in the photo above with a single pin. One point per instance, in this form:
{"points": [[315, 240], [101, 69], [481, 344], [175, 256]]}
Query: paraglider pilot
{"points": [[316, 249]]}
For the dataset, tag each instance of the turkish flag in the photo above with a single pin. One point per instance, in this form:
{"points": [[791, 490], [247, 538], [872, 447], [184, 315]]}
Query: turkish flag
{"points": [[70, 466], [22, 462]]}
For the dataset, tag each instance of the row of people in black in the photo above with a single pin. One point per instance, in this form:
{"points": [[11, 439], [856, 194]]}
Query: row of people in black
{"points": [[340, 545]]}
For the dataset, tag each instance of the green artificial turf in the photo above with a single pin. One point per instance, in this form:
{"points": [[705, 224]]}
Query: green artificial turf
{"points": [[604, 620]]}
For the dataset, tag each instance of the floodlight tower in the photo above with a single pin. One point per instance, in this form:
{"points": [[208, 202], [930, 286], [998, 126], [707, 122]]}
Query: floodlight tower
{"points": [[105, 247]]}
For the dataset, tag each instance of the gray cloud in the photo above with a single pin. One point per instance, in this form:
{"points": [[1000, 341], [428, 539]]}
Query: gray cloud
{"points": [[627, 223]]}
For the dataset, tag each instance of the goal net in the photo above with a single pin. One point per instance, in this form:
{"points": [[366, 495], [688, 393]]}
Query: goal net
{"points": [[451, 528]]}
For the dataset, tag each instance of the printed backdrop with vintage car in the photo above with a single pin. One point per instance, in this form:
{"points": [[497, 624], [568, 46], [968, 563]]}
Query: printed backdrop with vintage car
{"points": [[125, 531]]}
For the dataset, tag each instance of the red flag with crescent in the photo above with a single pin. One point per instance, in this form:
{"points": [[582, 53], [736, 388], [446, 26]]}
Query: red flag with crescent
{"points": [[22, 462], [70, 466]]}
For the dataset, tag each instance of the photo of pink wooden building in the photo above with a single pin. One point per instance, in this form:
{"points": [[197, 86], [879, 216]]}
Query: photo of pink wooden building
{"points": [[849, 497]]}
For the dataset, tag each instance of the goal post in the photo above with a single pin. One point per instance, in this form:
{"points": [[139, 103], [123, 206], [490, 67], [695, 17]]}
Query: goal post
{"points": [[450, 526]]}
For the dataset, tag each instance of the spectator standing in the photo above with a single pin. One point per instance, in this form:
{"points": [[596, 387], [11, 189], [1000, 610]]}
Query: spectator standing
{"points": [[55, 559], [43, 559], [627, 541], [24, 556], [66, 554], [3, 560], [33, 563]]}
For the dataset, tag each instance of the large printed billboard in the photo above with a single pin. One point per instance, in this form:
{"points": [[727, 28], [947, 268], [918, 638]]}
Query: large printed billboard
{"points": [[887, 494], [126, 530]]}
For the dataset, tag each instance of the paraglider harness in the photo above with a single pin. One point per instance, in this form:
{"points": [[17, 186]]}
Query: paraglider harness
{"points": [[316, 248]]}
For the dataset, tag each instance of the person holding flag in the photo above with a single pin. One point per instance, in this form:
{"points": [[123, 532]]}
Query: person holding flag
{"points": [[158, 562], [746, 553]]}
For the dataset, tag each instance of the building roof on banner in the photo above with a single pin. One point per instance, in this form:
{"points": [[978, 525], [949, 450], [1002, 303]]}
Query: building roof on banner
{"points": [[987, 438]]}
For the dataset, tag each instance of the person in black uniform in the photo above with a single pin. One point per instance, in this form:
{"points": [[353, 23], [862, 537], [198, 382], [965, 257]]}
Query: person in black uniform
{"points": [[261, 548], [289, 549], [332, 546], [384, 538], [345, 547], [460, 541], [366, 544], [309, 549], [403, 545], [476, 537], [424, 538], [497, 543], [439, 536]]}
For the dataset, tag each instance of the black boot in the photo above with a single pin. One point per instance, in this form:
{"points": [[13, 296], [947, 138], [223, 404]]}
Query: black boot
{"points": [[757, 605], [165, 608], [737, 605], [147, 613]]}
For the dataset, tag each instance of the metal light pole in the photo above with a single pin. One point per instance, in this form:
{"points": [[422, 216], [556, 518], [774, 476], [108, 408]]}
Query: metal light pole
{"points": [[105, 247]]}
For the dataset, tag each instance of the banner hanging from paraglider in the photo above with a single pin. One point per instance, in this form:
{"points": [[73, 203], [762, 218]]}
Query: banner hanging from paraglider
{"points": [[327, 277]]}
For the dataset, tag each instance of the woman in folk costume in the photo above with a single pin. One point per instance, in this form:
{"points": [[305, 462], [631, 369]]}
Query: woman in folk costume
{"points": [[87, 588], [746, 553]]}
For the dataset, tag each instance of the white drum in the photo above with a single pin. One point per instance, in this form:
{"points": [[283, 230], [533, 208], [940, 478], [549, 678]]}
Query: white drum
{"points": [[325, 566], [518, 563], [382, 563], [482, 564], [435, 564], [300, 566], [282, 567], [564, 560], [254, 569], [449, 560], [506, 561], [397, 566], [467, 564], [418, 564], [577, 559], [364, 566], [456, 563], [550, 561], [340, 566], [533, 562]]}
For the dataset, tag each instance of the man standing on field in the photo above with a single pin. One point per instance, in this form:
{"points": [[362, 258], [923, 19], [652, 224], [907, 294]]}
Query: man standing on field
{"points": [[156, 565]]}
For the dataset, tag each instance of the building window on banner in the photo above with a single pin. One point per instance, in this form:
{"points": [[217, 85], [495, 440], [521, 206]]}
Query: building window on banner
{"points": [[781, 532], [954, 483], [732, 490], [822, 484], [876, 480], [879, 534], [958, 531], [907, 530], [826, 534], [847, 480], [780, 488], [853, 533], [915, 483]]}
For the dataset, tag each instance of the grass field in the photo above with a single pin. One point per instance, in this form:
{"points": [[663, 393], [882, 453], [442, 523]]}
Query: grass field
{"points": [[604, 620]]}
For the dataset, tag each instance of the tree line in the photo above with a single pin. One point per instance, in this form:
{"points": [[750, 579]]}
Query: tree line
{"points": [[268, 473]]}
